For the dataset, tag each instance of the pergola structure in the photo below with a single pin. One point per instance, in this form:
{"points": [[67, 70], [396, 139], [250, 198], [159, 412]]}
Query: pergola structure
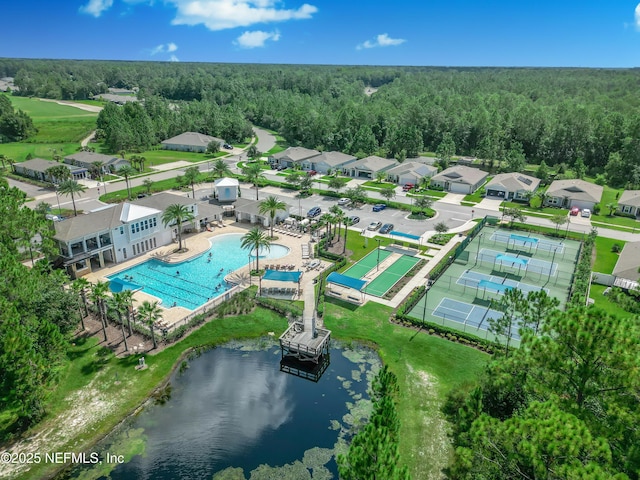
{"points": [[335, 278], [282, 276]]}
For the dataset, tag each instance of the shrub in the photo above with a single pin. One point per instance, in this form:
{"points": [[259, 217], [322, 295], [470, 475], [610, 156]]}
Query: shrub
{"points": [[616, 248]]}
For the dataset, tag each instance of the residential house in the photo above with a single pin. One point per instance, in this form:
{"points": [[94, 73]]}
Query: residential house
{"points": [[512, 186], [628, 263], [369, 167], [249, 211], [118, 232], [36, 168], [459, 179], [410, 172], [226, 189], [190, 142], [425, 160], [86, 160], [629, 202], [294, 156], [573, 193], [329, 162]]}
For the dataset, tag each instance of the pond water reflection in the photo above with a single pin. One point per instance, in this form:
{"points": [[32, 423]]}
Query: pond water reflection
{"points": [[233, 409]]}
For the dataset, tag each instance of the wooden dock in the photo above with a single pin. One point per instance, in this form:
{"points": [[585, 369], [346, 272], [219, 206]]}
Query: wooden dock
{"points": [[305, 340]]}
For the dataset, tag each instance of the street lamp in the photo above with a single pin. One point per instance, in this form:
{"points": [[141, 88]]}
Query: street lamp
{"points": [[552, 260], [378, 261], [478, 250]]}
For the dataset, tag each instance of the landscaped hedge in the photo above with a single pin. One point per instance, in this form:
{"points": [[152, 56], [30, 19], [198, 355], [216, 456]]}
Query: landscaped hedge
{"points": [[582, 277], [283, 307]]}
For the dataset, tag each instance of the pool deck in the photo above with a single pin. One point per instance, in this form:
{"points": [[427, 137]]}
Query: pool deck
{"points": [[198, 243]]}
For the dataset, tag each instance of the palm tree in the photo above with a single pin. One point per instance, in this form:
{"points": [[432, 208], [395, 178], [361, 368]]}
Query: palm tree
{"points": [[80, 286], [338, 217], [255, 239], [98, 295], [423, 203], [127, 296], [148, 183], [380, 176], [96, 170], [177, 214], [119, 304], [220, 169], [347, 223], [253, 152], [58, 174], [253, 174], [126, 171], [326, 220], [191, 175], [271, 205], [150, 313], [71, 187]]}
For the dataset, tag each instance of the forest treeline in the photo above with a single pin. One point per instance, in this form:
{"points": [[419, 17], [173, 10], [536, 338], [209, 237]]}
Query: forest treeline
{"points": [[556, 115]]}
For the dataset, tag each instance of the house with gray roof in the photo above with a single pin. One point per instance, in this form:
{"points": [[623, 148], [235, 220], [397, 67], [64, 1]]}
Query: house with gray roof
{"points": [[629, 262], [36, 168], [573, 193], [459, 179], [410, 172], [294, 156], [118, 232], [328, 162], [629, 202], [512, 186], [190, 142], [369, 167], [110, 163]]}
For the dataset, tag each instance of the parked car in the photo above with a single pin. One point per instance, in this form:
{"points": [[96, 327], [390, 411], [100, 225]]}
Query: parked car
{"points": [[378, 207], [281, 167], [354, 219], [311, 173], [586, 212], [386, 228], [407, 187], [314, 212], [373, 226], [227, 146], [344, 201], [56, 218], [574, 211]]}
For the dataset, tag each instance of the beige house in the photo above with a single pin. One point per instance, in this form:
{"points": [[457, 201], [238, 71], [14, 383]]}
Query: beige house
{"points": [[331, 162], [410, 172], [629, 202], [573, 193], [629, 262], [294, 155], [459, 179], [190, 142]]}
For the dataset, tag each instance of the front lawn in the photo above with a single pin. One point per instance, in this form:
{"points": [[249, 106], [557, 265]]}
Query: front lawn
{"points": [[606, 258]]}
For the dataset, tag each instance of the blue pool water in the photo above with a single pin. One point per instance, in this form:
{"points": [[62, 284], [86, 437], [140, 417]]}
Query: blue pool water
{"points": [[191, 283]]}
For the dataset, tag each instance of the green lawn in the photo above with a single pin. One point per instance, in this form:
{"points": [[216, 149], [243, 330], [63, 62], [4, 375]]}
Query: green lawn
{"points": [[427, 368], [373, 183], [19, 151], [606, 259], [478, 195], [427, 192], [603, 302]]}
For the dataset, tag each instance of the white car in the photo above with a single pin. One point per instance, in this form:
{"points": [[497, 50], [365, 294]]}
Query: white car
{"points": [[586, 213], [373, 226], [344, 201]]}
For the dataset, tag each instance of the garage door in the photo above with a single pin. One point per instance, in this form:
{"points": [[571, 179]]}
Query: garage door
{"points": [[495, 193]]}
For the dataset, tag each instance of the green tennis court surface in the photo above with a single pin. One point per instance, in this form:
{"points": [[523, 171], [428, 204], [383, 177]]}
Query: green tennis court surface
{"points": [[367, 264], [387, 279]]}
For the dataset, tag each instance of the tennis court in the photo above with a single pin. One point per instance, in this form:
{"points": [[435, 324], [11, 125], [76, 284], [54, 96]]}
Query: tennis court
{"points": [[465, 313], [366, 264], [528, 242], [391, 275], [464, 296], [480, 280]]}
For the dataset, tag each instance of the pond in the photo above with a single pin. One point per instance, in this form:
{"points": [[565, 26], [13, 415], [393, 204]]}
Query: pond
{"points": [[231, 413]]}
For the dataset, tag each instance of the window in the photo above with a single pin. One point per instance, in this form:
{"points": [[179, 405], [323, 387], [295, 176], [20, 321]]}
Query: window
{"points": [[133, 228], [626, 209], [121, 230]]}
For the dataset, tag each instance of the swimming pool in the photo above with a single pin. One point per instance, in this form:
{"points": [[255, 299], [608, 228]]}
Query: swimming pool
{"points": [[192, 283]]}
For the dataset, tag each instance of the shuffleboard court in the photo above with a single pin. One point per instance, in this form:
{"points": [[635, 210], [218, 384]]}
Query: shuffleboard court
{"points": [[475, 279], [366, 264], [392, 275]]}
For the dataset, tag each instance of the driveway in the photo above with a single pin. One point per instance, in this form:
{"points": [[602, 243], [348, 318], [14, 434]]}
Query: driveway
{"points": [[490, 203], [454, 198]]}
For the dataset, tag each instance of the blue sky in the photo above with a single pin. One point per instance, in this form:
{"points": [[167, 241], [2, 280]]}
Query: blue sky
{"points": [[553, 33]]}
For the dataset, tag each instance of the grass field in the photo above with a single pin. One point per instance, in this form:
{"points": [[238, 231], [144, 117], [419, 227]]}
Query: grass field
{"points": [[605, 258], [59, 127]]}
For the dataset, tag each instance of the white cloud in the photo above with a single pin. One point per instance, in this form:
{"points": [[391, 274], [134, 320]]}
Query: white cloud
{"points": [[96, 7], [164, 48], [173, 58], [225, 14], [382, 40], [256, 39], [637, 16]]}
